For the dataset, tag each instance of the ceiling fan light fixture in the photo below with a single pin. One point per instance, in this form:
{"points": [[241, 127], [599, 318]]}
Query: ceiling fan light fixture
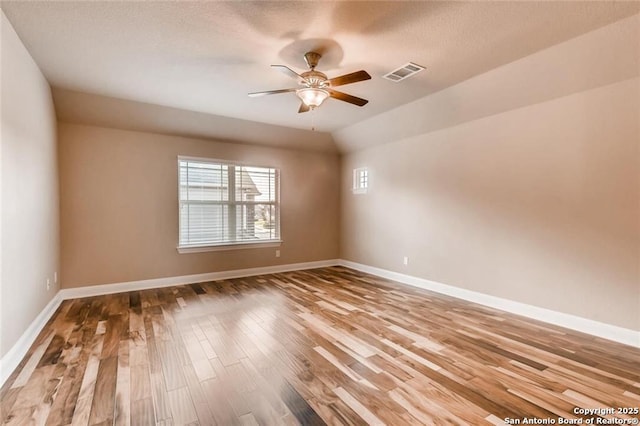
{"points": [[312, 97], [314, 87]]}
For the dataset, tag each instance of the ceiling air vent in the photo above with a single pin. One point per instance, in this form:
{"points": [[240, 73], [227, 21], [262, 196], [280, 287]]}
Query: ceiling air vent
{"points": [[404, 72]]}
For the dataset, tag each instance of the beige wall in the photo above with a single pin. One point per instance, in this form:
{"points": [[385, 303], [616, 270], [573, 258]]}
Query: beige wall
{"points": [[30, 230], [120, 214], [538, 205]]}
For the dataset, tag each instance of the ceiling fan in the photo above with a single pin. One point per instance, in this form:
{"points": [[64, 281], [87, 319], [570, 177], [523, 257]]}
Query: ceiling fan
{"points": [[316, 87]]}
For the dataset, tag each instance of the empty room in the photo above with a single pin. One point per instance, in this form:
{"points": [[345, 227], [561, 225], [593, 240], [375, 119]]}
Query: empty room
{"points": [[320, 212]]}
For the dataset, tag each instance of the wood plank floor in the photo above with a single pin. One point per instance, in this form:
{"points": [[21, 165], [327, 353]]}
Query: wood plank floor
{"points": [[329, 345]]}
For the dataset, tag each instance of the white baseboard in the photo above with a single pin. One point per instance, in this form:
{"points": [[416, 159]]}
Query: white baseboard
{"points": [[10, 361], [98, 290], [12, 358], [584, 325]]}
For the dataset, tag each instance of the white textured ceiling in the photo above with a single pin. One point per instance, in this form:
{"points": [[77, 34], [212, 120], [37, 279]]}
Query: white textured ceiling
{"points": [[206, 56]]}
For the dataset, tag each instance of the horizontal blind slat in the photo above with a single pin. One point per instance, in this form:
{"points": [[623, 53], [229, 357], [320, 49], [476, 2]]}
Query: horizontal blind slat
{"points": [[206, 209]]}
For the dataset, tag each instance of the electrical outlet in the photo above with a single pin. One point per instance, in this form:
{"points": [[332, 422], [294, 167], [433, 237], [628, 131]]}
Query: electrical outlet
{"points": [[405, 261], [277, 253], [48, 284]]}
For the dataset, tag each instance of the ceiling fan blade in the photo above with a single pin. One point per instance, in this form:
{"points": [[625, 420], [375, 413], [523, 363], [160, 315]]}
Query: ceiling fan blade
{"points": [[270, 92], [347, 98], [303, 107], [288, 71], [354, 77]]}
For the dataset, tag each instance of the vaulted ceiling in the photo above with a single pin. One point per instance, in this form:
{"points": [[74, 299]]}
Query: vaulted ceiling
{"points": [[206, 56]]}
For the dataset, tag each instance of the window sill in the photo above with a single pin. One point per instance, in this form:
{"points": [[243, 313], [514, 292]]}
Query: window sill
{"points": [[231, 246]]}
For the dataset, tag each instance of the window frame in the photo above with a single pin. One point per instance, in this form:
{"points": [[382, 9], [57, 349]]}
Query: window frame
{"points": [[360, 175], [229, 245]]}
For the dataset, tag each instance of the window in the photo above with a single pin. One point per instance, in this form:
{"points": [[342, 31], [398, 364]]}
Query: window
{"points": [[360, 180], [224, 204]]}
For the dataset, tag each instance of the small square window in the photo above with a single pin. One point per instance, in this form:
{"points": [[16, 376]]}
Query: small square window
{"points": [[360, 180]]}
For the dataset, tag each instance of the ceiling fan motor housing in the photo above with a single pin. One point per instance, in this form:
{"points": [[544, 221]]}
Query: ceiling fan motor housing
{"points": [[314, 78], [312, 59]]}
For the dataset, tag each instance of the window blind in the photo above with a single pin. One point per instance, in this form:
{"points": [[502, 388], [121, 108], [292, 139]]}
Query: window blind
{"points": [[224, 203]]}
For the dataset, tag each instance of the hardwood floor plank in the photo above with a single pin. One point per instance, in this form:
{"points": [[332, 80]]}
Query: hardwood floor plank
{"points": [[337, 413], [298, 406], [181, 405], [357, 406], [123, 386], [7, 401], [140, 382], [198, 397], [171, 366], [88, 386], [267, 389], [102, 407], [142, 412], [441, 403], [32, 363], [30, 397], [428, 417], [218, 402], [159, 396]]}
